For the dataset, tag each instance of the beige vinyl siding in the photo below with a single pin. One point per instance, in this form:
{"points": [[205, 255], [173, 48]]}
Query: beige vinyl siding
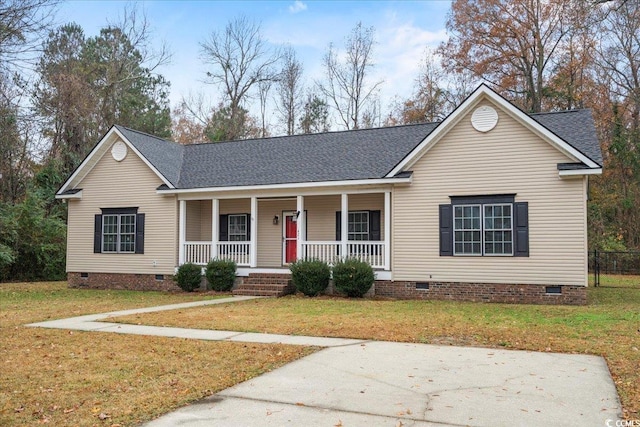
{"points": [[129, 183], [508, 159]]}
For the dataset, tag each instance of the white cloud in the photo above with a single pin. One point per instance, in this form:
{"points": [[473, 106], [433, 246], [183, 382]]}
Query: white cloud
{"points": [[297, 6]]}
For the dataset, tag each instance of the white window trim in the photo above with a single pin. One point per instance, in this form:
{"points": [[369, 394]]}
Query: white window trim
{"points": [[359, 232], [119, 233], [229, 234], [482, 231]]}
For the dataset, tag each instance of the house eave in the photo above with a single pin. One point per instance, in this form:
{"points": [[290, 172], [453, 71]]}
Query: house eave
{"points": [[69, 195], [580, 172], [288, 186]]}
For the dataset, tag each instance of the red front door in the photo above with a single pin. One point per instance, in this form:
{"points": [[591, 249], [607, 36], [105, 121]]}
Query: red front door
{"points": [[290, 240]]}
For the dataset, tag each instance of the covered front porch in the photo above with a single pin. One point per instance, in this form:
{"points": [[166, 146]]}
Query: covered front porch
{"points": [[266, 234]]}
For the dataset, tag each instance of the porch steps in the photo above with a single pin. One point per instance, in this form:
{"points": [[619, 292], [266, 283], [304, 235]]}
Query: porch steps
{"points": [[265, 285]]}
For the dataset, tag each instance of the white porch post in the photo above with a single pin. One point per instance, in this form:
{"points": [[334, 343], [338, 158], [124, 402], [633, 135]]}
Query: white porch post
{"points": [[387, 230], [253, 261], [344, 224], [215, 227], [300, 227], [182, 230]]}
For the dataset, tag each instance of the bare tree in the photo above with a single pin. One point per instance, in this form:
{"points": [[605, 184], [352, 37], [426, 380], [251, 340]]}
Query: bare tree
{"points": [[264, 87], [289, 90], [239, 59], [22, 23], [347, 85]]}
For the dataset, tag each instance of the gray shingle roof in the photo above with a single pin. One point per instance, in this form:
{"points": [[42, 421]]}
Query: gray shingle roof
{"points": [[575, 127], [330, 156]]}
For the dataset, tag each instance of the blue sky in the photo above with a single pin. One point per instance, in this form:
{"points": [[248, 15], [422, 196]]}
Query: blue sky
{"points": [[403, 30]]}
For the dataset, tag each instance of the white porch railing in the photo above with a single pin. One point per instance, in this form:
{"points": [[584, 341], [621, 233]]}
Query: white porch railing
{"points": [[329, 252], [197, 252], [200, 252], [370, 252], [239, 252]]}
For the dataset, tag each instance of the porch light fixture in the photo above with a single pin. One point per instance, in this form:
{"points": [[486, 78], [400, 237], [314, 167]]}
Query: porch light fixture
{"points": [[295, 216], [276, 219]]}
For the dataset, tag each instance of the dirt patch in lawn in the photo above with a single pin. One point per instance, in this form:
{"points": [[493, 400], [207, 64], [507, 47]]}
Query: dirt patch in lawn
{"points": [[89, 378], [608, 326]]}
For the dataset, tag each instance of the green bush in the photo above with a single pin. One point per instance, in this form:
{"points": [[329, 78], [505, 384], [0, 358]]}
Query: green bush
{"points": [[310, 277], [353, 277], [221, 274], [188, 277]]}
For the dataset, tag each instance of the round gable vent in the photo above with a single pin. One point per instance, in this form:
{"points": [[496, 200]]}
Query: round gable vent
{"points": [[119, 151], [484, 118]]}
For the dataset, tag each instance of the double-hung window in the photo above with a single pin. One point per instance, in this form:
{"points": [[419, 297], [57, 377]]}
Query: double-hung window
{"points": [[238, 228], [119, 233], [484, 226], [483, 229], [358, 225], [119, 230]]}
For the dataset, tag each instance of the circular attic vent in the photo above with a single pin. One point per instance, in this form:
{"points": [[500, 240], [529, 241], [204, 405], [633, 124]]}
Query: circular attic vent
{"points": [[119, 151], [484, 118]]}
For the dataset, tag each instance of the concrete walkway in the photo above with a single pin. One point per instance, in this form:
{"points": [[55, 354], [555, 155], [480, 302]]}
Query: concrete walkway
{"points": [[367, 383]]}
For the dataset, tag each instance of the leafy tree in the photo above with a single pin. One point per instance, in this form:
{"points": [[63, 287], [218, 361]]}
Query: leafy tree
{"points": [[225, 126], [315, 115], [347, 85]]}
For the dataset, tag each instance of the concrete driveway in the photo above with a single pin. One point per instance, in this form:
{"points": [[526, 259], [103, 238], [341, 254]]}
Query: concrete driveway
{"points": [[371, 383], [396, 384]]}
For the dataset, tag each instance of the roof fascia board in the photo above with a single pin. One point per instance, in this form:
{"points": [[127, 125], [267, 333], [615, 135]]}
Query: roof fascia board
{"points": [[290, 186], [578, 172], [473, 99]]}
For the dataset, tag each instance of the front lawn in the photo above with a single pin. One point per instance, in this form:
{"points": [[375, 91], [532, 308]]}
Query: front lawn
{"points": [[608, 326], [71, 378]]}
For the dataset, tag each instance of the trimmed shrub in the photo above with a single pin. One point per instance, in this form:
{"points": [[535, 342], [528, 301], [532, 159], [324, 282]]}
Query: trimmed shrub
{"points": [[353, 277], [310, 277], [221, 273], [188, 277]]}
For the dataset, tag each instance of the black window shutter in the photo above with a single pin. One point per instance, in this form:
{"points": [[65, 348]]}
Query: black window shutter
{"points": [[97, 234], [446, 230], [139, 233], [223, 229], [248, 226], [374, 226], [521, 234]]}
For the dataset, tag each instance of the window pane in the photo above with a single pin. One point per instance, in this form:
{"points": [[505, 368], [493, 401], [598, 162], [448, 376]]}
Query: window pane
{"points": [[237, 228], [358, 226], [467, 232], [498, 233]]}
